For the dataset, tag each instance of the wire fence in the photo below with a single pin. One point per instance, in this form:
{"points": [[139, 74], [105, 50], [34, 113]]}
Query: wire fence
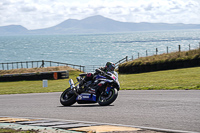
{"points": [[37, 64], [42, 63], [147, 53]]}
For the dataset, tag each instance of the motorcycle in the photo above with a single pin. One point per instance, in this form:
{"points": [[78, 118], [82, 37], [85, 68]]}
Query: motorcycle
{"points": [[102, 89]]}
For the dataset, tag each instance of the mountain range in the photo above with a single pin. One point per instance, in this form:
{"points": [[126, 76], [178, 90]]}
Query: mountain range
{"points": [[94, 24]]}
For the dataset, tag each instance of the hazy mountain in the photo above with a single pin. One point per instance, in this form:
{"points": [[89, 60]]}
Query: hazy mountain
{"points": [[13, 29], [96, 24]]}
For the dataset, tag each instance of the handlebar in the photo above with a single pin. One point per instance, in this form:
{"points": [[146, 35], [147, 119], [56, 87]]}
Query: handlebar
{"points": [[103, 73], [98, 70]]}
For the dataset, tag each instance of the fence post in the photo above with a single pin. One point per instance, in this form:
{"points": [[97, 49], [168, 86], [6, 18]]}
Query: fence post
{"points": [[167, 50], [126, 58], [146, 53], [7, 67], [138, 55], [42, 63], [156, 51], [179, 48], [2, 66]]}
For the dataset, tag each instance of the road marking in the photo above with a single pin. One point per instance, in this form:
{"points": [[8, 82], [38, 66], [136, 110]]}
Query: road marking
{"points": [[104, 128], [12, 120], [74, 126]]}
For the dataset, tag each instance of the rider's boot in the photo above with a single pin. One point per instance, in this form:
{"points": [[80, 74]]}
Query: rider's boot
{"points": [[80, 86]]}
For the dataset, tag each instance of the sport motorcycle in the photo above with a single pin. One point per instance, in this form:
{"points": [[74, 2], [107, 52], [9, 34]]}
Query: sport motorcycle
{"points": [[101, 88]]}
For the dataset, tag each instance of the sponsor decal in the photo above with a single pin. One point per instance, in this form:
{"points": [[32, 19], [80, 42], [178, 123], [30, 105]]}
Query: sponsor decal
{"points": [[79, 97], [86, 97], [55, 75]]}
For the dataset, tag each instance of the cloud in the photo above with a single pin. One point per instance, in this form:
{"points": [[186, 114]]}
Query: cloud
{"points": [[171, 11], [35, 14]]}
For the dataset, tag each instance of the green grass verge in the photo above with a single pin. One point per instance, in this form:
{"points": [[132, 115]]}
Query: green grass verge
{"points": [[36, 86], [187, 78]]}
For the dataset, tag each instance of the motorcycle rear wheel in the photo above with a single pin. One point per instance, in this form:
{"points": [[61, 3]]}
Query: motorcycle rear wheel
{"points": [[67, 98], [107, 99]]}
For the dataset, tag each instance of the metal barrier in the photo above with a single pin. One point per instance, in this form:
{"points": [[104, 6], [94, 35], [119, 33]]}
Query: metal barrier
{"points": [[37, 64], [42, 63]]}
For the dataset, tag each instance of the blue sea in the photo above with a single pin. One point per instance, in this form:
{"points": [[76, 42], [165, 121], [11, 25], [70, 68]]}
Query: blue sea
{"points": [[94, 49]]}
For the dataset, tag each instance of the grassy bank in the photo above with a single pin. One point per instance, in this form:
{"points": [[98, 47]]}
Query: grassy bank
{"points": [[35, 70], [171, 79], [162, 58]]}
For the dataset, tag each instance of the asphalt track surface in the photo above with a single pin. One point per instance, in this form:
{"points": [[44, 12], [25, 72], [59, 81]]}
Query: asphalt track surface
{"points": [[167, 109]]}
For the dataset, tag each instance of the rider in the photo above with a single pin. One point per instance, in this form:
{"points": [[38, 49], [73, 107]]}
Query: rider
{"points": [[109, 67]]}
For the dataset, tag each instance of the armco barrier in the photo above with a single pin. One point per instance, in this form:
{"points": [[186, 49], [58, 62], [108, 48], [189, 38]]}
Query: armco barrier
{"points": [[35, 76], [159, 66]]}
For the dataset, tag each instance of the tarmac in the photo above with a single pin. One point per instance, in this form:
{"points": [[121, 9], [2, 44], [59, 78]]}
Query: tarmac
{"points": [[69, 126]]}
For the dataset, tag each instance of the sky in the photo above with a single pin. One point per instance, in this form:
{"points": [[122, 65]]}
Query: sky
{"points": [[37, 14]]}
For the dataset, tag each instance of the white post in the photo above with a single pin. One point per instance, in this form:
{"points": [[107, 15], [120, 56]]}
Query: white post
{"points": [[45, 83]]}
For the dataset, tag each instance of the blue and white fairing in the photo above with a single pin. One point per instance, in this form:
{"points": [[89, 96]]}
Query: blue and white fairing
{"points": [[86, 97], [92, 97], [114, 76]]}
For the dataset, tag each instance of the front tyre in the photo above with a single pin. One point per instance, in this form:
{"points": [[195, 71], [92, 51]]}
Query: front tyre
{"points": [[68, 97], [107, 99]]}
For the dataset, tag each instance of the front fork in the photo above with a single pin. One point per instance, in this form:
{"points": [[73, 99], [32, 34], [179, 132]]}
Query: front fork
{"points": [[71, 83], [72, 86]]}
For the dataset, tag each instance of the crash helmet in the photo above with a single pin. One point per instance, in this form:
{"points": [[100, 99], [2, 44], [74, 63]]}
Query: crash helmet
{"points": [[110, 66]]}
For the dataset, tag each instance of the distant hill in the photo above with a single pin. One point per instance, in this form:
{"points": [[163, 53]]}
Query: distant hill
{"points": [[13, 29], [95, 24]]}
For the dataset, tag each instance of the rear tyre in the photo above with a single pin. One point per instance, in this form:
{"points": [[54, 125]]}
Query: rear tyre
{"points": [[107, 99], [67, 98]]}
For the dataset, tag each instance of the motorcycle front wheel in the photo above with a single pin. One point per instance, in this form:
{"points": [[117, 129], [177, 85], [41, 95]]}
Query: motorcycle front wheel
{"points": [[67, 98], [107, 99]]}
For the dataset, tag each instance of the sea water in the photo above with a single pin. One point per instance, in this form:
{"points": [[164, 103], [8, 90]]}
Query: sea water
{"points": [[94, 49]]}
